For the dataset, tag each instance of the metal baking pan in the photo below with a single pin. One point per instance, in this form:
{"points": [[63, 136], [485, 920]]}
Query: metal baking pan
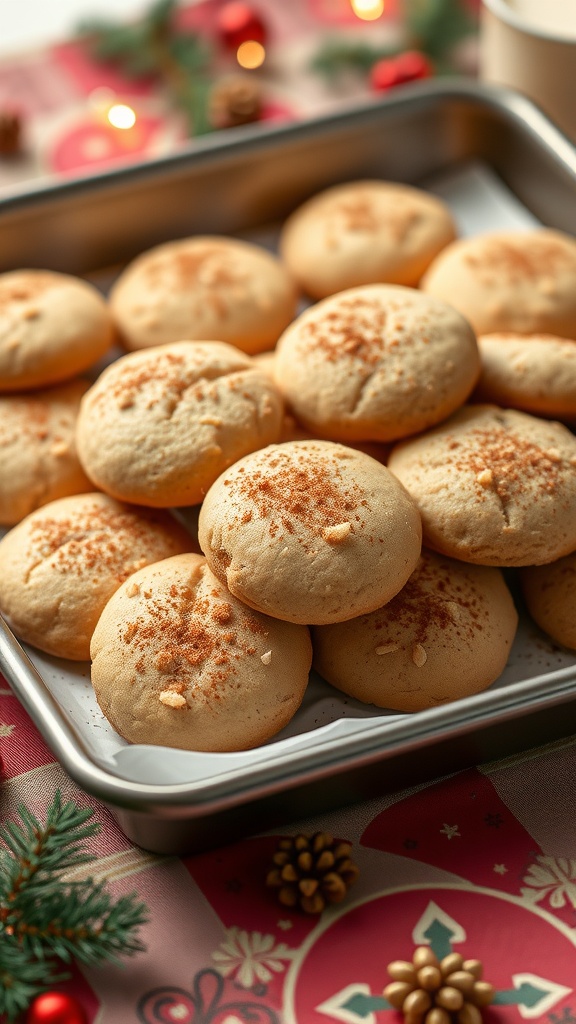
{"points": [[236, 183]]}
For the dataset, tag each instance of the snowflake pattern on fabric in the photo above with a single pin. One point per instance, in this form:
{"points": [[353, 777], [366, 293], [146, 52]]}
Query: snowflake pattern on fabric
{"points": [[553, 879], [250, 957]]}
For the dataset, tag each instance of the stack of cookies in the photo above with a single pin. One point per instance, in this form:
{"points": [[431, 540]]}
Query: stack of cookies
{"points": [[323, 449]]}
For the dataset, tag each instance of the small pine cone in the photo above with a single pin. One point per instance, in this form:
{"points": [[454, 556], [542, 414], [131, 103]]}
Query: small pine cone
{"points": [[310, 872], [235, 101], [432, 991]]}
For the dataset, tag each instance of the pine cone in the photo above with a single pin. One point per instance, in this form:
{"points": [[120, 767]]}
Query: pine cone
{"points": [[311, 872], [235, 101], [438, 991]]}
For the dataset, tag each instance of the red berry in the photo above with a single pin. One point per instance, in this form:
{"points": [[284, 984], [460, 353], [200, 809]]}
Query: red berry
{"points": [[406, 67], [238, 23]]}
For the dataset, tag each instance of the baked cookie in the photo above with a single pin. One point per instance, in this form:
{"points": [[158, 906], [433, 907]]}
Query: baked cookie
{"points": [[494, 486], [59, 567], [446, 635], [159, 426], [179, 662], [205, 287], [523, 282], [550, 595], [364, 232], [376, 363], [536, 373], [52, 327], [310, 532], [38, 460]]}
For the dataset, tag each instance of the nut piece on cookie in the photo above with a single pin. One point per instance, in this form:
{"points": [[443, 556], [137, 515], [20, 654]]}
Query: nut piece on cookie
{"points": [[61, 564], [204, 287], [160, 425], [52, 327], [310, 532], [446, 635], [184, 664], [494, 486], [364, 232], [376, 364], [38, 459], [535, 373], [550, 594], [510, 281]]}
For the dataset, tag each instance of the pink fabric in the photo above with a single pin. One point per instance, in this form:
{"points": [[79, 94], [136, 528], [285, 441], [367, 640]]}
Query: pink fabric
{"points": [[456, 861]]}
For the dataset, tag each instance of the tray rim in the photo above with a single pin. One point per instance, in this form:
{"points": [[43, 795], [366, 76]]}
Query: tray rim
{"points": [[190, 799], [506, 101]]}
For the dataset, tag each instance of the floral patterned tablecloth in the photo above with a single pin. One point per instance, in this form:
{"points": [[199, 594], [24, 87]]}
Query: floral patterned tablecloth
{"points": [[483, 862]]}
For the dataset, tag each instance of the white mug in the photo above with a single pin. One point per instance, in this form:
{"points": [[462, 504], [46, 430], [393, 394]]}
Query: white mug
{"points": [[530, 45]]}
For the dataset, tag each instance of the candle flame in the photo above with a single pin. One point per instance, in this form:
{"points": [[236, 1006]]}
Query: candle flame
{"points": [[121, 116], [250, 54], [368, 10]]}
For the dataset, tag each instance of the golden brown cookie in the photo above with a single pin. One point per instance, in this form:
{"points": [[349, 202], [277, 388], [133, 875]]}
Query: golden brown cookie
{"points": [[159, 426], [364, 232], [61, 564], [52, 327], [179, 662], [494, 486], [446, 635], [510, 281], [38, 460], [550, 594], [376, 364], [204, 287], [535, 373], [310, 532]]}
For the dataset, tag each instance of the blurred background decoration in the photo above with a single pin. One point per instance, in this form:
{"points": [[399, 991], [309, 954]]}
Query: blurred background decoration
{"points": [[132, 89]]}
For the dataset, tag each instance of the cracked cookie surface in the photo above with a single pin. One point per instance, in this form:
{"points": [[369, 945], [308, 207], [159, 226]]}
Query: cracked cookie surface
{"points": [[310, 532], [61, 564], [38, 459], [494, 486], [178, 661], [376, 363], [446, 635], [160, 425]]}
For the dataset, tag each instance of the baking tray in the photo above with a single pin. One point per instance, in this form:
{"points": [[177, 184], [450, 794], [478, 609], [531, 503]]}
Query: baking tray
{"points": [[241, 183]]}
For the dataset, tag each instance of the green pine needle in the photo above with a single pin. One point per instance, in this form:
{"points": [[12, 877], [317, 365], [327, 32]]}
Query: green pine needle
{"points": [[45, 920]]}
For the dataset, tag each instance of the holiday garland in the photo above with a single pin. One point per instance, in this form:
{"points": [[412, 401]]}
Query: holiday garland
{"points": [[47, 921]]}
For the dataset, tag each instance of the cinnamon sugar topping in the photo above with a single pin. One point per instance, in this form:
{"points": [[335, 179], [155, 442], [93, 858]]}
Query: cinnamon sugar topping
{"points": [[527, 259], [300, 488]]}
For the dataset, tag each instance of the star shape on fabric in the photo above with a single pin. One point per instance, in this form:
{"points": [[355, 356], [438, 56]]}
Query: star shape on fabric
{"points": [[450, 831], [494, 820], [500, 869], [6, 730]]}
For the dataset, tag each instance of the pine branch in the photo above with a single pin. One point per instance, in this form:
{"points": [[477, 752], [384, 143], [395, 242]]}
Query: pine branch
{"points": [[21, 980], [46, 920], [40, 853], [82, 923], [153, 47]]}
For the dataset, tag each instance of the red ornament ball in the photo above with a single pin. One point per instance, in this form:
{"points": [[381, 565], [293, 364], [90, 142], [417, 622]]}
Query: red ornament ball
{"points": [[406, 67], [238, 23], [55, 1008]]}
